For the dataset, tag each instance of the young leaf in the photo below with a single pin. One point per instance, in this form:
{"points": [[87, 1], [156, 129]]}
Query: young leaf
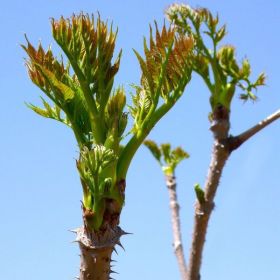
{"points": [[217, 66], [154, 149], [166, 151], [171, 158], [199, 193], [61, 91]]}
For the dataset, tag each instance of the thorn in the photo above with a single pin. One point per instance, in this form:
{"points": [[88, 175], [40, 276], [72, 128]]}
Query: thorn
{"points": [[112, 271], [120, 244], [113, 261], [74, 230], [110, 278], [125, 233], [114, 249]]}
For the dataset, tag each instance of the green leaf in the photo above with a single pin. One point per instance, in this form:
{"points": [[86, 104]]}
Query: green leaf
{"points": [[146, 73], [179, 154], [260, 81], [61, 91], [220, 34], [97, 159], [245, 70], [142, 104], [49, 112], [38, 110], [154, 149], [166, 151]]}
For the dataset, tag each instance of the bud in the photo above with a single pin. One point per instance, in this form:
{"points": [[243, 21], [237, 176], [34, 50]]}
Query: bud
{"points": [[122, 124]]}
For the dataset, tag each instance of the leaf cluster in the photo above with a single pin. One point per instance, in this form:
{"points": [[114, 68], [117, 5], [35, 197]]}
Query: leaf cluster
{"points": [[98, 179], [54, 79], [92, 164], [89, 45], [84, 95], [217, 65], [165, 70], [165, 156]]}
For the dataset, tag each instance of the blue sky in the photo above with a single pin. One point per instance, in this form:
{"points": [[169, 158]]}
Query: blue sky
{"points": [[40, 191]]}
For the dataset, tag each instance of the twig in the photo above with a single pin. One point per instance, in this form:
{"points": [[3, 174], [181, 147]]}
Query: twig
{"points": [[176, 228], [237, 141]]}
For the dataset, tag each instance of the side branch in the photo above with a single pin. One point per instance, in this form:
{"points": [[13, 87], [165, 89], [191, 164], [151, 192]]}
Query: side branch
{"points": [[176, 227], [237, 141]]}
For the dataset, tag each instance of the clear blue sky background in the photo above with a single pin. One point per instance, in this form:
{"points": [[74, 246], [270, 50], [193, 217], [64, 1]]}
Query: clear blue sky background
{"points": [[40, 191]]}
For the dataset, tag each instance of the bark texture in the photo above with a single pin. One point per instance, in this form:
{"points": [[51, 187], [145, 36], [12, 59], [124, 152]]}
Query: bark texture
{"points": [[203, 211], [96, 251], [220, 154], [176, 227]]}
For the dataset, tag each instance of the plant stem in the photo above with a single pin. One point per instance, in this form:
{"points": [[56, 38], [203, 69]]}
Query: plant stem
{"points": [[204, 210], [222, 148], [95, 264], [134, 143], [219, 126], [96, 251], [176, 227]]}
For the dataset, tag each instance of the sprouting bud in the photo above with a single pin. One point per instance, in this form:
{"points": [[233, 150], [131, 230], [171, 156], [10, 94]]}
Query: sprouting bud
{"points": [[106, 185], [245, 70], [122, 124], [199, 193]]}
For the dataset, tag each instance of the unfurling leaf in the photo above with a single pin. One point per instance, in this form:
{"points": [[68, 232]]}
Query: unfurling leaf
{"points": [[227, 60], [260, 81], [97, 159], [142, 103], [49, 112], [199, 193], [166, 69], [39, 111], [220, 34], [122, 123], [166, 61], [166, 151], [179, 154], [60, 90], [115, 118], [217, 66], [171, 158], [154, 149], [245, 70], [89, 45]]}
